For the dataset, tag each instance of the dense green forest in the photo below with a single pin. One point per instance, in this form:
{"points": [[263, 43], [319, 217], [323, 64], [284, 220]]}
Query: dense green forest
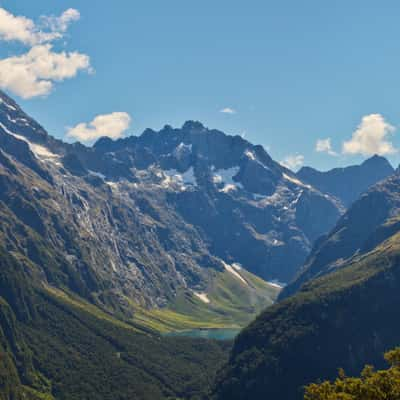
{"points": [[53, 349], [344, 319]]}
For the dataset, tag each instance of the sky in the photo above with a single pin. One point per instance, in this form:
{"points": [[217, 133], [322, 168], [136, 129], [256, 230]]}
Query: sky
{"points": [[315, 82]]}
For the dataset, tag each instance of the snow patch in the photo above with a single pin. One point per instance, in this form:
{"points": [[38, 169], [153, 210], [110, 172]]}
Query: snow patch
{"points": [[277, 284], [257, 196], [182, 149], [172, 176], [14, 121], [189, 177], [217, 179], [296, 200], [22, 121], [113, 185], [39, 151], [225, 177], [98, 174], [228, 188], [295, 181], [202, 296], [114, 268], [9, 106], [234, 272], [249, 154]]}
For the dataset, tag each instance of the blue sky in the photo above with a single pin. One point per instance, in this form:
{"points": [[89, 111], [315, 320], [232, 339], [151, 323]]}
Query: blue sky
{"points": [[293, 72]]}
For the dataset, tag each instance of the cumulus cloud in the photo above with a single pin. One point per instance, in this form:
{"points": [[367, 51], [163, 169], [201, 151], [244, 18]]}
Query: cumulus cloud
{"points": [[325, 146], [15, 28], [111, 125], [371, 137], [35, 72], [228, 110], [61, 24], [293, 162], [24, 30]]}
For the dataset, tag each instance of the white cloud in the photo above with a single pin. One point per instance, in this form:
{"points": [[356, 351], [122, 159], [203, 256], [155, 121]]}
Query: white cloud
{"points": [[228, 110], [325, 146], [60, 24], [371, 137], [34, 73], [15, 28], [24, 30], [293, 161], [111, 125]]}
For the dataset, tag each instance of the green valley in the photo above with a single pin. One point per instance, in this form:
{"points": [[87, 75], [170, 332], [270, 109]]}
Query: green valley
{"points": [[229, 302]]}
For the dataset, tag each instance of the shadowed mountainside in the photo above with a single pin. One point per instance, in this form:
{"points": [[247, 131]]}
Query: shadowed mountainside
{"points": [[344, 318]]}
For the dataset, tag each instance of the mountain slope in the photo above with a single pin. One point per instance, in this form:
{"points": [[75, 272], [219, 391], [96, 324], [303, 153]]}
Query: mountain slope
{"points": [[233, 192], [118, 242], [344, 319], [348, 183], [369, 221], [53, 348], [138, 224]]}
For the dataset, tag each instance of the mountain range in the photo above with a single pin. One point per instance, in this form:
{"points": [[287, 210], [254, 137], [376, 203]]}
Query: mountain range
{"points": [[157, 219], [348, 183], [103, 248], [356, 233]]}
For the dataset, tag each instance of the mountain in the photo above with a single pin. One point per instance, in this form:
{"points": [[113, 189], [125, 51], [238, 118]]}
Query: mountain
{"points": [[232, 191], [105, 248], [84, 280], [116, 233], [168, 220], [345, 319], [347, 184], [92, 268], [369, 221], [229, 189], [54, 345]]}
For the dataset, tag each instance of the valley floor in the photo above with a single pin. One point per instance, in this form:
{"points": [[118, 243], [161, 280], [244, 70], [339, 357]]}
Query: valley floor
{"points": [[231, 301]]}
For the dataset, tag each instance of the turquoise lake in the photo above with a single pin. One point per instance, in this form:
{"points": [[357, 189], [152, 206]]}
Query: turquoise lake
{"points": [[217, 334]]}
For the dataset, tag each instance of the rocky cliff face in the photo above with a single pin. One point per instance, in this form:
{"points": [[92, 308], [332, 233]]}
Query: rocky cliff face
{"points": [[144, 217]]}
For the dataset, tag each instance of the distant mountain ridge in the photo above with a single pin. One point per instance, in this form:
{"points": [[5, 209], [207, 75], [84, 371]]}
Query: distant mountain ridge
{"points": [[368, 222], [348, 183]]}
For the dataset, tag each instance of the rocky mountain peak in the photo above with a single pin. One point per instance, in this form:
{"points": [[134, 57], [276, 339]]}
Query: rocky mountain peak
{"points": [[377, 162], [193, 126], [348, 183]]}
